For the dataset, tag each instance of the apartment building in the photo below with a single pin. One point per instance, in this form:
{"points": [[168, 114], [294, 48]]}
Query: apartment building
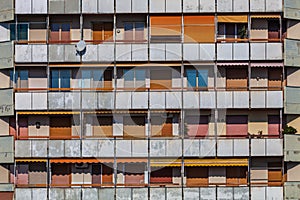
{"points": [[149, 99]]}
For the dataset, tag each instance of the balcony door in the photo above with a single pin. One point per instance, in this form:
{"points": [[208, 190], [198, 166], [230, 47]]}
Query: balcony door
{"points": [[102, 32]]}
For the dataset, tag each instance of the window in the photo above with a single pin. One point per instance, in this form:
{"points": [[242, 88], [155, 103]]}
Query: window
{"points": [[95, 78], [236, 78], [265, 27], [197, 78], [60, 78], [134, 31], [165, 28], [237, 125], [19, 32], [21, 78], [231, 30], [60, 32], [134, 78]]}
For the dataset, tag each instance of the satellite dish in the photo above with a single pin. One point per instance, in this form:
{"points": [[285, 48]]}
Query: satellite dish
{"points": [[80, 46]]}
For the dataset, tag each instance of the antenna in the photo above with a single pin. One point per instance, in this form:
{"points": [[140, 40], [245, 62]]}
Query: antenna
{"points": [[80, 47]]}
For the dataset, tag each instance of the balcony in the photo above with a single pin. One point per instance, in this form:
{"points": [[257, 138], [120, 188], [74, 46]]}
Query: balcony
{"points": [[7, 55], [171, 148], [291, 190], [155, 193], [292, 148], [266, 51], [6, 102], [291, 9], [292, 52], [7, 149], [196, 52]]}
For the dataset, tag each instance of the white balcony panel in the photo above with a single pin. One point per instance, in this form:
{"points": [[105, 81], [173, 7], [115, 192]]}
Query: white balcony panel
{"points": [[240, 99], [258, 99], [91, 54], [157, 100], [139, 52], [207, 148], [173, 193], [89, 6], [225, 148], [56, 148], [23, 7], [208, 193], [72, 148], [258, 193], [173, 100], [207, 99], [191, 100], [207, 6], [191, 193], [257, 6], [89, 148], [4, 33], [173, 6], [90, 194], [139, 6], [157, 193], [23, 148], [274, 147], [157, 6], [72, 100], [191, 52], [23, 53], [240, 51], [89, 100], [139, 193], [39, 53], [174, 148], [70, 54], [274, 193], [225, 192], [105, 100], [192, 148], [274, 99], [139, 148], [240, 192], [274, 51], [273, 5], [240, 147], [123, 148], [105, 148], [39, 148], [191, 6], [123, 6], [39, 7], [39, 101], [105, 6], [224, 51], [241, 5], [157, 148], [123, 100], [224, 99], [123, 193], [106, 52], [157, 52], [258, 51], [207, 52], [23, 101], [258, 147], [173, 52], [56, 100], [23, 193], [139, 100], [224, 5]]}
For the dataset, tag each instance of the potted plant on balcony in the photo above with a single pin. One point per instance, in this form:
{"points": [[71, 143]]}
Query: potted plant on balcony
{"points": [[289, 130]]}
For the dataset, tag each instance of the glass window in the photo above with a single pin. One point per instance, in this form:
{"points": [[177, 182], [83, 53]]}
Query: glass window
{"points": [[86, 78], [54, 79], [97, 78], [65, 78], [191, 77], [202, 78], [20, 34]]}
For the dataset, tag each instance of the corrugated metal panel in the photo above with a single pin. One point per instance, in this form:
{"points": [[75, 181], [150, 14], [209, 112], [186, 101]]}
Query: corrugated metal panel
{"points": [[7, 10], [292, 53], [292, 9], [292, 100], [7, 55], [6, 149]]}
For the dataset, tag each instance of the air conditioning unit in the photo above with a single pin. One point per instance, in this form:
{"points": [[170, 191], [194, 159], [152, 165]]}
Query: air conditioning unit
{"points": [[81, 165]]}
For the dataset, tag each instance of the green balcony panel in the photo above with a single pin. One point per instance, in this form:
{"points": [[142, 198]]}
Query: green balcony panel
{"points": [[6, 102], [292, 148], [292, 9], [7, 55], [291, 190], [292, 100], [7, 149], [7, 10]]}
